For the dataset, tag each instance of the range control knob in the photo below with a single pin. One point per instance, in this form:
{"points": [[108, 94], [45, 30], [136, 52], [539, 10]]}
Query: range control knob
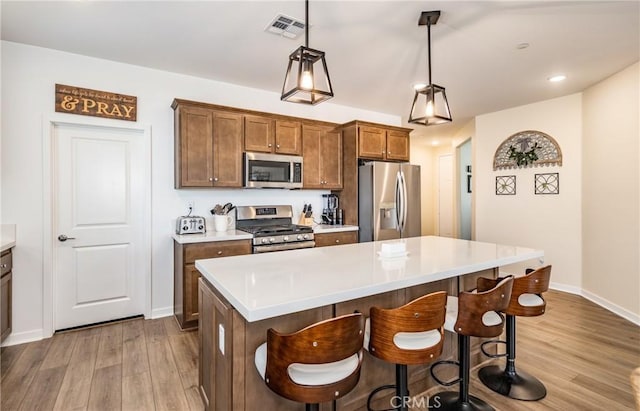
{"points": [[272, 240], [285, 238], [305, 236], [264, 241], [299, 237]]}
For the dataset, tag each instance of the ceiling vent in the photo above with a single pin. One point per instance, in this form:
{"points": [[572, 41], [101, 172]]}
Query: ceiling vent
{"points": [[285, 26]]}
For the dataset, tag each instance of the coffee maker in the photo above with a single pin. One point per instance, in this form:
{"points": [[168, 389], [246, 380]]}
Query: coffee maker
{"points": [[331, 213]]}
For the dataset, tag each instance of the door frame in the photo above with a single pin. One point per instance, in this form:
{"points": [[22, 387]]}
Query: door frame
{"points": [[49, 123]]}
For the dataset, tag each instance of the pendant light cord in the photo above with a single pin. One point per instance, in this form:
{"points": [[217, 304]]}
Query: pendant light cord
{"points": [[429, 47], [306, 23]]}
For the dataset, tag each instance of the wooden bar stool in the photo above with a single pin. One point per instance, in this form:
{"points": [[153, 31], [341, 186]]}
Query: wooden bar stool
{"points": [[470, 315], [317, 364], [407, 335], [526, 301]]}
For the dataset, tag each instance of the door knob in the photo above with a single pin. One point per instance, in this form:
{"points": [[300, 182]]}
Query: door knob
{"points": [[63, 238]]}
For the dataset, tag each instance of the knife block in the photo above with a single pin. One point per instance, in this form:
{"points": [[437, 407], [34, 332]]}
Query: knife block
{"points": [[306, 220]]}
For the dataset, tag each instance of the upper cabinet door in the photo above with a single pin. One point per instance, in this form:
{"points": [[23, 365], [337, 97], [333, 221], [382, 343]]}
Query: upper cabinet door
{"points": [[258, 134], [397, 145], [288, 138], [331, 159], [194, 147], [227, 149], [372, 142], [311, 136]]}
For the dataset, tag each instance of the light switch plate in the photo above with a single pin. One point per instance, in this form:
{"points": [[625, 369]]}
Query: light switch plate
{"points": [[221, 338]]}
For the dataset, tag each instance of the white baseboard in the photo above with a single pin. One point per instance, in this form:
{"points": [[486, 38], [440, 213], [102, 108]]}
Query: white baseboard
{"points": [[571, 289], [162, 312], [614, 308], [23, 337]]}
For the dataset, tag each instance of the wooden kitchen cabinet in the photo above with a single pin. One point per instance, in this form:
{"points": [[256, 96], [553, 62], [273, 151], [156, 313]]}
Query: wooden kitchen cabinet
{"points": [[267, 135], [322, 153], [339, 238], [382, 143], [6, 264], [185, 274], [208, 146]]}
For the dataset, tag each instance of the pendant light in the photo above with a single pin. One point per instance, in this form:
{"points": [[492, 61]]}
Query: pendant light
{"points": [[307, 80], [430, 104]]}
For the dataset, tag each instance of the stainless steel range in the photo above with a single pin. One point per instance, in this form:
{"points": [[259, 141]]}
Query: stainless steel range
{"points": [[272, 228]]}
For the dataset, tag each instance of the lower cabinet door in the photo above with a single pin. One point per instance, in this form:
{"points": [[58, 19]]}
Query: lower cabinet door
{"points": [[5, 308], [339, 238], [191, 277]]}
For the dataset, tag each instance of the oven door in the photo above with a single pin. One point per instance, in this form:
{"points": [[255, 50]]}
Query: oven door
{"points": [[272, 171]]}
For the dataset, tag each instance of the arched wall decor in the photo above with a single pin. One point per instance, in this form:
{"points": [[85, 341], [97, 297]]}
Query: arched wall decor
{"points": [[527, 148]]}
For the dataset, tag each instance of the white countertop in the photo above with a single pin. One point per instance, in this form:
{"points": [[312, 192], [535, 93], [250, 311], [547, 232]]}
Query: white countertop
{"points": [[268, 285], [212, 236], [7, 236], [241, 235]]}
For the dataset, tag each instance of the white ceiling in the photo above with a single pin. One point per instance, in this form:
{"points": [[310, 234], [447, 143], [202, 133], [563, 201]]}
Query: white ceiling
{"points": [[375, 50]]}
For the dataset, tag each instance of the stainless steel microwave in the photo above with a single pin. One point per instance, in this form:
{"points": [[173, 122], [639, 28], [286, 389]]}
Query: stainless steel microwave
{"points": [[262, 170]]}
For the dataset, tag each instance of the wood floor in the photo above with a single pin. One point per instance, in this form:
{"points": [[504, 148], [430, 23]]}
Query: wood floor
{"points": [[135, 365], [582, 352]]}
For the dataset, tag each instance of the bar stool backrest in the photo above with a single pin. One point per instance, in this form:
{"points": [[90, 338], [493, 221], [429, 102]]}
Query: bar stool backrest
{"points": [[536, 282], [422, 314], [473, 306], [327, 341]]}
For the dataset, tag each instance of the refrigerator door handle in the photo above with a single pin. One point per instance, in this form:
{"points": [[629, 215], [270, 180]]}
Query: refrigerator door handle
{"points": [[398, 201], [404, 200]]}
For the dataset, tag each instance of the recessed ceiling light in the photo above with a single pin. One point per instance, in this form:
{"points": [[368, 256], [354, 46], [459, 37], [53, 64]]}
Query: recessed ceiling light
{"points": [[522, 46], [556, 78]]}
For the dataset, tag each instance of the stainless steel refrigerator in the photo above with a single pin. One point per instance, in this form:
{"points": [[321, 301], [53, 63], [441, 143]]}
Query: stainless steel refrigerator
{"points": [[388, 201]]}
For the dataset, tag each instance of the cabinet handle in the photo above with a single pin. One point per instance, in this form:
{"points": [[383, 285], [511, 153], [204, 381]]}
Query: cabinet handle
{"points": [[210, 178], [337, 241], [382, 151], [269, 145], [219, 252], [388, 152], [277, 145], [215, 179]]}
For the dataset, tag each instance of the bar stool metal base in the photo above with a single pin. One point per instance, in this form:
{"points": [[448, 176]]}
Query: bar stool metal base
{"points": [[517, 385], [450, 401]]}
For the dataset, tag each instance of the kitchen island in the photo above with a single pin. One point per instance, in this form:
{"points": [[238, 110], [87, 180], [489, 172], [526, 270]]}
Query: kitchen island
{"points": [[241, 297]]}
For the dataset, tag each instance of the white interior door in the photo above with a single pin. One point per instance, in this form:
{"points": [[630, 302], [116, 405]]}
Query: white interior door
{"points": [[445, 196], [100, 269]]}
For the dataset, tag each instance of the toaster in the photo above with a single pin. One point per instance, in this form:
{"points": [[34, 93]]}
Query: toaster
{"points": [[190, 225]]}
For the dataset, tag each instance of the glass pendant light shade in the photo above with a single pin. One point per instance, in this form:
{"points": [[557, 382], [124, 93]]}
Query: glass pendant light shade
{"points": [[307, 80], [430, 105]]}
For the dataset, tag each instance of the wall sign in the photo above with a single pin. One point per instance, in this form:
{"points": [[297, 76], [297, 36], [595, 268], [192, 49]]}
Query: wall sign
{"points": [[87, 102]]}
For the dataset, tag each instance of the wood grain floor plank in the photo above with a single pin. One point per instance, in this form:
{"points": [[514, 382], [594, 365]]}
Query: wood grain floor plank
{"points": [[44, 389], [155, 331], [8, 356], [110, 348], [76, 385], [165, 377], [137, 392], [134, 349], [59, 354], [16, 383], [106, 389]]}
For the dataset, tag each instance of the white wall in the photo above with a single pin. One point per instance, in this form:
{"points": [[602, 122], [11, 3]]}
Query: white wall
{"points": [[548, 222], [611, 193], [28, 78]]}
